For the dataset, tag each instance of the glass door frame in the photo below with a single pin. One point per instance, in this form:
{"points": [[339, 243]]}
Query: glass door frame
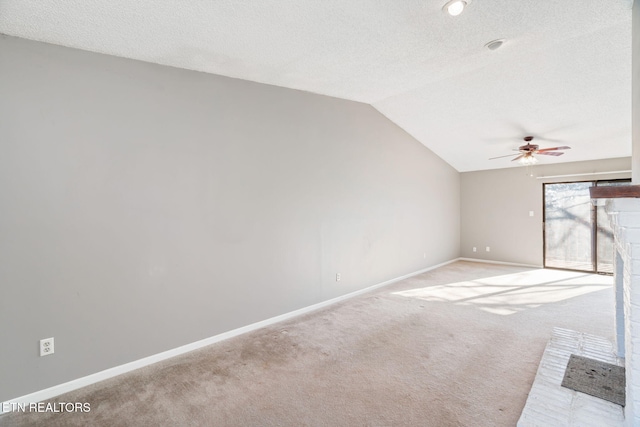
{"points": [[594, 225]]}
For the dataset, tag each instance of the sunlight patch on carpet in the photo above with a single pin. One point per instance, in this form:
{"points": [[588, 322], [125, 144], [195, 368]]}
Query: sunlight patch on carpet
{"points": [[512, 293]]}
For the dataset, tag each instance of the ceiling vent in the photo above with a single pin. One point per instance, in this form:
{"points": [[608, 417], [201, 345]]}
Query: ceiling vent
{"points": [[494, 44]]}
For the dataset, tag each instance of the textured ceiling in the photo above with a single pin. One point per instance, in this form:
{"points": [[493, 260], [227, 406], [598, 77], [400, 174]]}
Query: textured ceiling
{"points": [[564, 72]]}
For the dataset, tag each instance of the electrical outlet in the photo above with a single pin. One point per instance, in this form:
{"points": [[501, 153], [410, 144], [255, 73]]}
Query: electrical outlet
{"points": [[530, 213], [475, 249], [337, 277], [488, 249], [46, 347], [424, 255]]}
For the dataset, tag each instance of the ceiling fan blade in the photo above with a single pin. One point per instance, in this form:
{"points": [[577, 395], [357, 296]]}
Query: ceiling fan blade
{"points": [[499, 157], [551, 153], [564, 147], [518, 128], [518, 158], [552, 140]]}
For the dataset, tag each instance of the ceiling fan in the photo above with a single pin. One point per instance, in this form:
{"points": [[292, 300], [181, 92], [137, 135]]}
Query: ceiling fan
{"points": [[527, 151]]}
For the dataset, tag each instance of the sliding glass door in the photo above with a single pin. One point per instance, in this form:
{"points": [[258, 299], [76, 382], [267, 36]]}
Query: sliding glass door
{"points": [[577, 235], [568, 226]]}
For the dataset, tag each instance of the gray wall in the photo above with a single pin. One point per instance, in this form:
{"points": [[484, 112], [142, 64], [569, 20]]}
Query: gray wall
{"points": [[145, 207], [496, 203]]}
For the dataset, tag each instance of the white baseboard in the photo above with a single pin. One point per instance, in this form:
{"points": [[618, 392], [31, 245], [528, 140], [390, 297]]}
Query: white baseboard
{"points": [[59, 389], [486, 261]]}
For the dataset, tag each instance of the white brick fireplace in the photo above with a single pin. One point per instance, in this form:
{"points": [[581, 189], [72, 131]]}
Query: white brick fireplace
{"points": [[625, 220]]}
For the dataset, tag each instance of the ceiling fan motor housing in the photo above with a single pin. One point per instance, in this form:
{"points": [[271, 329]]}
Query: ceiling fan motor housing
{"points": [[529, 148]]}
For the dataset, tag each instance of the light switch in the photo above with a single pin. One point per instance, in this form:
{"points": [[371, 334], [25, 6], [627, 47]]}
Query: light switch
{"points": [[530, 213]]}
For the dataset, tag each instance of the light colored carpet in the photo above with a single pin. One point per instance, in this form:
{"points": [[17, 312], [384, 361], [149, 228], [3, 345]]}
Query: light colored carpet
{"points": [[457, 346]]}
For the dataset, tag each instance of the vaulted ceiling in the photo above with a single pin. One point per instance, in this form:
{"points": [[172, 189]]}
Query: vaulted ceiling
{"points": [[562, 75]]}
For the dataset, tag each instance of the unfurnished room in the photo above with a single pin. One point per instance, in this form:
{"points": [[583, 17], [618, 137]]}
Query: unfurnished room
{"points": [[305, 213]]}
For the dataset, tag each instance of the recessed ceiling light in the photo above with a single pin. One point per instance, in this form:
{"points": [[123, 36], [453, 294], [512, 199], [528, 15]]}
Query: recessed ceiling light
{"points": [[494, 44], [454, 7]]}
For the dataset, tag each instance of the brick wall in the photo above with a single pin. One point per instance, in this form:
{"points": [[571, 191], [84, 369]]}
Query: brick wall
{"points": [[625, 220]]}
